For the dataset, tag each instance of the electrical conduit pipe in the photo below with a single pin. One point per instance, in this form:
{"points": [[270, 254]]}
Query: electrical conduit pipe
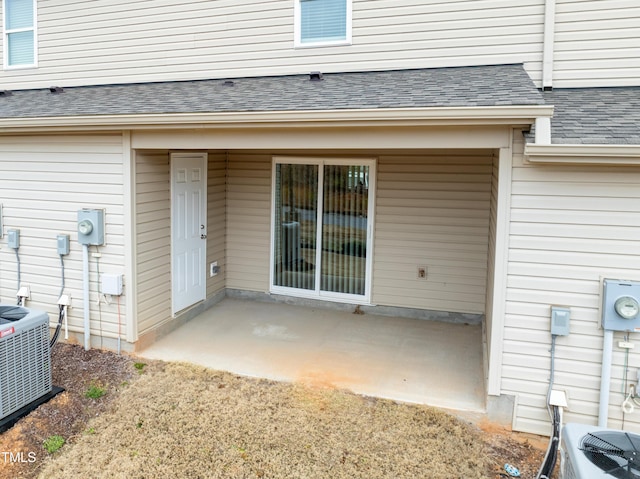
{"points": [[605, 378], [85, 285]]}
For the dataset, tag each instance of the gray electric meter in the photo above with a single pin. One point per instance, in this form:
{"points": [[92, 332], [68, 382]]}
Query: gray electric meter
{"points": [[91, 226], [621, 305]]}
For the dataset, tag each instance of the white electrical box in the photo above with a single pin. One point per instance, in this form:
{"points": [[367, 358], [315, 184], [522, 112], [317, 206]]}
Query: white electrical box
{"points": [[111, 284]]}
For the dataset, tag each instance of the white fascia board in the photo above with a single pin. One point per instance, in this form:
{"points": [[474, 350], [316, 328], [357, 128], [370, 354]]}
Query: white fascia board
{"points": [[583, 154], [492, 115]]}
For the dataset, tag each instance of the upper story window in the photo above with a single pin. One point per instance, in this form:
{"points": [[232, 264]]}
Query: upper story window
{"points": [[19, 33], [322, 22]]}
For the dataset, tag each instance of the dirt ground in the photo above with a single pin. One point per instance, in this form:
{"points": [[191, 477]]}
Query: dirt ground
{"points": [[177, 420]]}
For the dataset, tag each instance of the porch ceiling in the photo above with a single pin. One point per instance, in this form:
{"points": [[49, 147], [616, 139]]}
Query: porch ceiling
{"points": [[427, 362]]}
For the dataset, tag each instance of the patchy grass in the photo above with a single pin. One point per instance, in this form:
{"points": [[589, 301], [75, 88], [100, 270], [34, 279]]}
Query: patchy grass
{"points": [[95, 391], [139, 367], [186, 421], [53, 443], [179, 420]]}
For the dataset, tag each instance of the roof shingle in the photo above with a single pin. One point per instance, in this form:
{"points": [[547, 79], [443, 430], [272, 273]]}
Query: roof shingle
{"points": [[595, 115], [494, 85]]}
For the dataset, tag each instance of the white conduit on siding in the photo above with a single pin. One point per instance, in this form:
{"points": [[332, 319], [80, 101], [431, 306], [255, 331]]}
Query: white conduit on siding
{"points": [[605, 378], [85, 285]]}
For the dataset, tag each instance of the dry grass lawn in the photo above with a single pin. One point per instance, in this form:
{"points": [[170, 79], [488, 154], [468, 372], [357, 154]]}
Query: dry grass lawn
{"points": [[184, 421]]}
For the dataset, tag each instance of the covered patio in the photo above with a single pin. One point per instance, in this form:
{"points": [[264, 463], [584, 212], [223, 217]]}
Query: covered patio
{"points": [[419, 361]]}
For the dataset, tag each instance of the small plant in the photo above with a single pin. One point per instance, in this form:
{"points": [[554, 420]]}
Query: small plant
{"points": [[139, 366], [90, 430], [95, 391], [53, 443]]}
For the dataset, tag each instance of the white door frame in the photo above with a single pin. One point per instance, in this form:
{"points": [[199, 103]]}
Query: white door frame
{"points": [[318, 293], [189, 251]]}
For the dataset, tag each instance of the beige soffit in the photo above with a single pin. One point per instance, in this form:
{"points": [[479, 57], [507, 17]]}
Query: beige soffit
{"points": [[490, 115], [583, 154]]}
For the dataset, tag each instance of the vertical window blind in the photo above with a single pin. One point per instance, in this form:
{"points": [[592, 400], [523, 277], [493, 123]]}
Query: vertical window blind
{"points": [[20, 32], [344, 229], [296, 210], [323, 20]]}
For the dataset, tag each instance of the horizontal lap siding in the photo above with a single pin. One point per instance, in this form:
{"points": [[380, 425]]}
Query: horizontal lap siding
{"points": [[44, 181], [248, 221], [597, 43], [216, 221], [153, 239], [433, 211], [118, 41], [570, 225]]}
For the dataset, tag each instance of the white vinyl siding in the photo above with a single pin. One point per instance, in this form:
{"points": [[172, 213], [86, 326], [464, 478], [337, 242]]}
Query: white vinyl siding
{"points": [[45, 180], [433, 210], [19, 39], [122, 41], [216, 221], [570, 226], [153, 239], [248, 220], [597, 43]]}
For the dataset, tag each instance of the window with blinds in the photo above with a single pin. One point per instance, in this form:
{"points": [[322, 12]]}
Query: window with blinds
{"points": [[322, 213], [19, 33], [323, 22]]}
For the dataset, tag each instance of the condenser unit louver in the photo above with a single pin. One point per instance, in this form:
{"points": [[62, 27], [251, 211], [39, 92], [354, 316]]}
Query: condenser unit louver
{"points": [[25, 357], [591, 452]]}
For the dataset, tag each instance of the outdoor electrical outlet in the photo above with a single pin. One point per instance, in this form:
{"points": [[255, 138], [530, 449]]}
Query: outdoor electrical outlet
{"points": [[214, 269], [422, 272]]}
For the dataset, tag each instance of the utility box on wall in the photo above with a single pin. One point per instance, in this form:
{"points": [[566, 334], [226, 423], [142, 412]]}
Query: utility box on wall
{"points": [[91, 226], [621, 305]]}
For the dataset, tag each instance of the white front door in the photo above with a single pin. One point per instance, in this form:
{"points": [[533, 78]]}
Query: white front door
{"points": [[188, 228]]}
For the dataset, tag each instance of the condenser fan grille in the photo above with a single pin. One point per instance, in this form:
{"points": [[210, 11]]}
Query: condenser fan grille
{"points": [[617, 453]]}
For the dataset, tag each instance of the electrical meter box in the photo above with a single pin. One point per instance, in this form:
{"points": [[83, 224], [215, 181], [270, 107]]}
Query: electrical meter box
{"points": [[91, 226], [621, 305]]}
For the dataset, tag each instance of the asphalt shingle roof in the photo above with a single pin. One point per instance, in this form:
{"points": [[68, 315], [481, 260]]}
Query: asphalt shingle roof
{"points": [[595, 115], [495, 85], [581, 115]]}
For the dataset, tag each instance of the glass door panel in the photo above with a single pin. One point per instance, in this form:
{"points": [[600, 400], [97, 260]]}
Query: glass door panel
{"points": [[344, 229], [296, 212]]}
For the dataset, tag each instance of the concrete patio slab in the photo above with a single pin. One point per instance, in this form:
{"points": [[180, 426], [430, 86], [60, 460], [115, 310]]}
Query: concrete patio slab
{"points": [[408, 360]]}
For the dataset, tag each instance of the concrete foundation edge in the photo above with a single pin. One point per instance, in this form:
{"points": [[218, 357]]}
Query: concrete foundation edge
{"points": [[501, 410]]}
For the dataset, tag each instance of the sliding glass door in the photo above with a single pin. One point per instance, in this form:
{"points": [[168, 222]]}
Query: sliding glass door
{"points": [[322, 213]]}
